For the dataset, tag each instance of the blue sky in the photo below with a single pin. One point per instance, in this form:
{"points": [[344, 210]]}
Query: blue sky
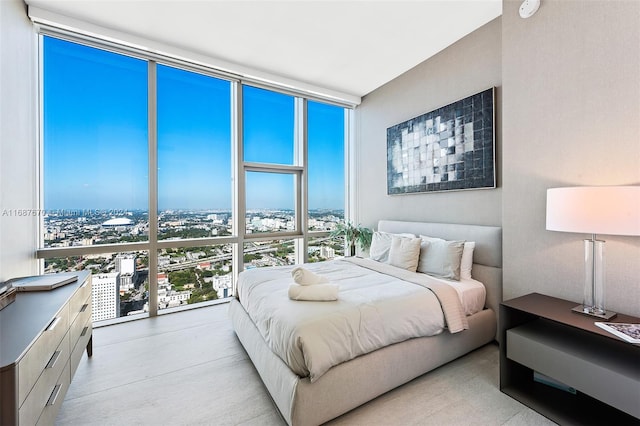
{"points": [[95, 137]]}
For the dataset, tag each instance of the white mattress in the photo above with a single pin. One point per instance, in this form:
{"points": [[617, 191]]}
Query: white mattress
{"points": [[471, 292]]}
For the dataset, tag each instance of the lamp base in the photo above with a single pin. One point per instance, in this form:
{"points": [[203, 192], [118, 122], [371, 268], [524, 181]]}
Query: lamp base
{"points": [[606, 315]]}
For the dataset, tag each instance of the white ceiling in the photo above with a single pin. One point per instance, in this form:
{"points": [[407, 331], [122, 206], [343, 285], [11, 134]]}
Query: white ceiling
{"points": [[352, 47]]}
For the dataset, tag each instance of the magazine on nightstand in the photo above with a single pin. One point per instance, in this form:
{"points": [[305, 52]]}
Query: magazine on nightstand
{"points": [[626, 331]]}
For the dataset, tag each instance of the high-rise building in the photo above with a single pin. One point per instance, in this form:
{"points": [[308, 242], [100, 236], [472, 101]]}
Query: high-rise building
{"points": [[126, 263], [126, 266], [222, 285], [327, 252], [106, 296]]}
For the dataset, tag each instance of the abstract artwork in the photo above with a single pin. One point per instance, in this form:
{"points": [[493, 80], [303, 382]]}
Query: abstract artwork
{"points": [[450, 148]]}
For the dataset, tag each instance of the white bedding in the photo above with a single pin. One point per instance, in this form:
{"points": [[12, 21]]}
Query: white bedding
{"points": [[373, 310], [471, 292]]}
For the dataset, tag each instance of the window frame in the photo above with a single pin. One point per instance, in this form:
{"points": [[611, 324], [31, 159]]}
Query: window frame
{"points": [[239, 168], [294, 171]]}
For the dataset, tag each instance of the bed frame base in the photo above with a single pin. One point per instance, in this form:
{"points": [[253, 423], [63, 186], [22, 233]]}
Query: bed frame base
{"points": [[351, 384]]}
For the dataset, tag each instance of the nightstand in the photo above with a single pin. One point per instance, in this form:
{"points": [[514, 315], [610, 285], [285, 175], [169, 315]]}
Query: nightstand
{"points": [[540, 333]]}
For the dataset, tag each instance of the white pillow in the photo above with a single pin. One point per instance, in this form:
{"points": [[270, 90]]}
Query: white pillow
{"points": [[380, 245], [466, 263], [404, 252], [440, 258]]}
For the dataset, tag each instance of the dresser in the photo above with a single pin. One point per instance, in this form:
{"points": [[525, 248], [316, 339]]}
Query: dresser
{"points": [[43, 335]]}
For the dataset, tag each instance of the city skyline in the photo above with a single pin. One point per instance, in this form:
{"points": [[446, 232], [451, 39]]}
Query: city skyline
{"points": [[185, 275], [96, 138]]}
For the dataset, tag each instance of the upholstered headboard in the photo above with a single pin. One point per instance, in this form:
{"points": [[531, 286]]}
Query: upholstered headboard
{"points": [[487, 256]]}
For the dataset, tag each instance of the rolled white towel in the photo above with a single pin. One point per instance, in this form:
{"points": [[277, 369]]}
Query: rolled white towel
{"points": [[304, 276], [317, 293]]}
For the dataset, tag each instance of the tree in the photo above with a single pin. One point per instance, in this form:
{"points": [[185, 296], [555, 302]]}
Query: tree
{"points": [[248, 257], [183, 277]]}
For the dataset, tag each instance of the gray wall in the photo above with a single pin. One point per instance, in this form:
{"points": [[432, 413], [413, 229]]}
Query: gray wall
{"points": [[469, 66], [571, 117], [18, 141], [569, 111]]}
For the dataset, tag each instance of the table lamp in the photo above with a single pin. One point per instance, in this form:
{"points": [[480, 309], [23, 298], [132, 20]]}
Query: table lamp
{"points": [[611, 210]]}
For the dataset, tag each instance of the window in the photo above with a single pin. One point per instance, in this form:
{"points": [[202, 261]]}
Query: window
{"points": [[163, 207], [268, 126], [188, 275], [120, 281], [326, 164], [325, 248], [258, 254], [95, 149], [194, 154], [270, 202]]}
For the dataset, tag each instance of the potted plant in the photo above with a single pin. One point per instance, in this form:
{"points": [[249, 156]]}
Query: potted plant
{"points": [[353, 234]]}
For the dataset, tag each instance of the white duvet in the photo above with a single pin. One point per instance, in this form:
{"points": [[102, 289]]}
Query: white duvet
{"points": [[373, 310]]}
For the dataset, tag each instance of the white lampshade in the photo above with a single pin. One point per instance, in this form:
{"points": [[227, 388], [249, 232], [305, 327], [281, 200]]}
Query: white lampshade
{"points": [[609, 210]]}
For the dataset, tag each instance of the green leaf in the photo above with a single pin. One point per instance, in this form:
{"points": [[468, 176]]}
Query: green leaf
{"points": [[353, 234]]}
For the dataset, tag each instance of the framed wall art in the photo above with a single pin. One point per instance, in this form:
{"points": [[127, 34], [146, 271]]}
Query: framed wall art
{"points": [[448, 149]]}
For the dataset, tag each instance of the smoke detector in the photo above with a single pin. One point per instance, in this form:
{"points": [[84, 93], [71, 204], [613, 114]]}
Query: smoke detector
{"points": [[528, 8]]}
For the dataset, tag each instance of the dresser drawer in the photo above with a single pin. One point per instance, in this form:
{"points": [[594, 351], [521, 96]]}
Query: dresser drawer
{"points": [[81, 345], [37, 399], [41, 352], [56, 396], [79, 299], [80, 321]]}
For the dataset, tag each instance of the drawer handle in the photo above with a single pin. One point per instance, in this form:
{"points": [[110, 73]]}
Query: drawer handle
{"points": [[84, 331], [84, 307], [53, 324], [53, 360], [54, 395]]}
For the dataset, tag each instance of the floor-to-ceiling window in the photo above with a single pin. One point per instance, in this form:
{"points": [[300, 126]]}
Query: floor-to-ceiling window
{"points": [[193, 116], [95, 175], [326, 178], [272, 175], [166, 180]]}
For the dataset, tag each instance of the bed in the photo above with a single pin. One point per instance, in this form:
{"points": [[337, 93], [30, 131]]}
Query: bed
{"points": [[305, 400]]}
